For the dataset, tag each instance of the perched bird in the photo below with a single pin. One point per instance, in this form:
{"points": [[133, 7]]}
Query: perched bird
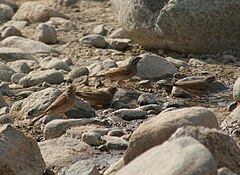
{"points": [[99, 97], [64, 102], [196, 87], [121, 73]]}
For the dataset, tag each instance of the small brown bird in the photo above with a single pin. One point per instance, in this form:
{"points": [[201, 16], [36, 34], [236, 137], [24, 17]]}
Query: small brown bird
{"points": [[196, 87], [121, 73], [64, 102], [99, 97]]}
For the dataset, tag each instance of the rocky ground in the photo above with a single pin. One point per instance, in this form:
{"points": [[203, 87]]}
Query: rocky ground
{"points": [[96, 138]]}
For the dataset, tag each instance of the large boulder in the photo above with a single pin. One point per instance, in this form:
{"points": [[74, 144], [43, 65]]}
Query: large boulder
{"points": [[224, 149], [183, 156], [36, 12], [19, 154], [194, 26], [160, 128]]}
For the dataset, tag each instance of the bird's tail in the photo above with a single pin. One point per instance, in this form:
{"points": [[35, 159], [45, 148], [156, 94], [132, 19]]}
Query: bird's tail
{"points": [[38, 118]]}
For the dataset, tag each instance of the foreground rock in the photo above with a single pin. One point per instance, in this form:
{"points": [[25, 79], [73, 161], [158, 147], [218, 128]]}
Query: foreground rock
{"points": [[35, 12], [164, 22], [160, 128], [19, 154], [82, 167], [223, 148], [231, 123], [37, 77], [173, 157], [28, 45], [63, 151]]}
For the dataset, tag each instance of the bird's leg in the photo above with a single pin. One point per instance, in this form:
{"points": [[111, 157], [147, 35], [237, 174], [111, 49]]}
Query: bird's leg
{"points": [[120, 83], [64, 116]]}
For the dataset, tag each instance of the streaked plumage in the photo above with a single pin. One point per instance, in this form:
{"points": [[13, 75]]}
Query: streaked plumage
{"points": [[64, 102], [196, 87], [98, 96], [121, 73]]}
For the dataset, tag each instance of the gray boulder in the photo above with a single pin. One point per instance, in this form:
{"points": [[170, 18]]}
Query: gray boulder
{"points": [[11, 31], [20, 66], [224, 149], [37, 77], [162, 24], [51, 62], [183, 156], [6, 12], [13, 54], [83, 167], [28, 45], [59, 127], [94, 40], [154, 67], [46, 33], [158, 129], [63, 151], [19, 154]]}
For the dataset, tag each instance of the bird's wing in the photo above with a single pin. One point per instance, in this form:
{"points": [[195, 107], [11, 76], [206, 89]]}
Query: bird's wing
{"points": [[58, 102], [94, 95], [124, 71]]}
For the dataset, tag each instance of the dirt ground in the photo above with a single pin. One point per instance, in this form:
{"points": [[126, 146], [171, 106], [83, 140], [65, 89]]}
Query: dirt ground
{"points": [[88, 14]]}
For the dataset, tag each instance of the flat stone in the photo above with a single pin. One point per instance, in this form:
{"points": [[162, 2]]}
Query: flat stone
{"points": [[28, 45], [58, 127], [130, 114], [94, 40], [37, 77], [83, 167], [54, 63], [115, 143], [63, 151]]}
